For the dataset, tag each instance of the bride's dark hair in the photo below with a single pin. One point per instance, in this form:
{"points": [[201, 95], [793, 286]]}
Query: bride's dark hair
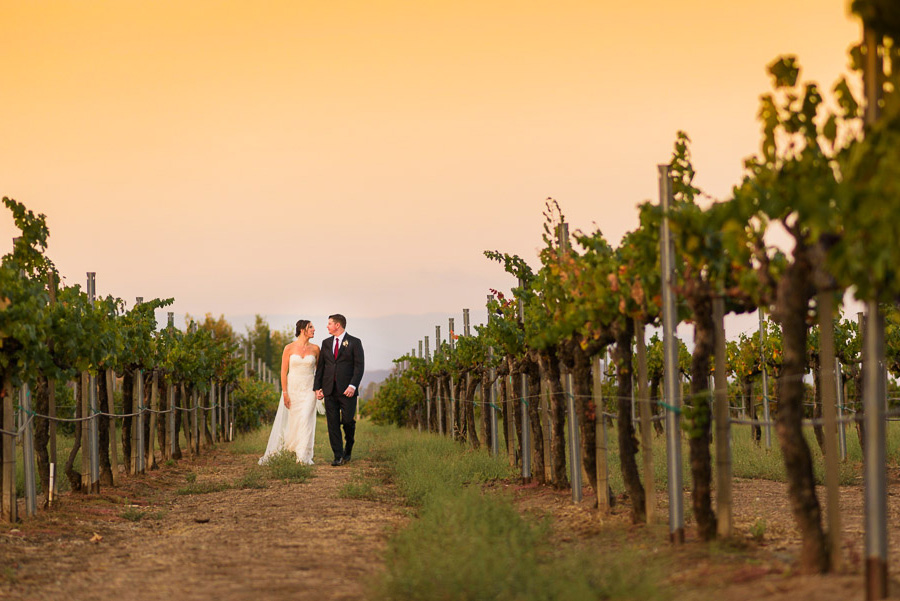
{"points": [[301, 325]]}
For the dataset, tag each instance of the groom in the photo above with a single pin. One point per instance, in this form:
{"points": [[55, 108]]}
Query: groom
{"points": [[338, 374]]}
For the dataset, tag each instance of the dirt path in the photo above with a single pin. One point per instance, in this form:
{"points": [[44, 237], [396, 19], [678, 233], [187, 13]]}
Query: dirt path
{"points": [[309, 541], [285, 541]]}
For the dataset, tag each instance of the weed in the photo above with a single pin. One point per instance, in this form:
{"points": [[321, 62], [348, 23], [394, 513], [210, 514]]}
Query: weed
{"points": [[758, 529], [358, 490], [284, 466], [133, 514], [191, 477], [202, 488], [8, 574], [252, 479]]}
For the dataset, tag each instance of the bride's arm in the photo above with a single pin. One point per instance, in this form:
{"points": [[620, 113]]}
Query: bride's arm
{"points": [[285, 364]]}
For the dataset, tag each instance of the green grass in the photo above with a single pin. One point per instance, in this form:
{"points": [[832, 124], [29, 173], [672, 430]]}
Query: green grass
{"points": [[202, 488], [427, 466], [250, 443], [255, 478], [133, 514], [469, 544], [284, 466], [364, 489]]}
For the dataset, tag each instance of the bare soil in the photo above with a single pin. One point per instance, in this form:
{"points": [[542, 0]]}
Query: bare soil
{"points": [[304, 541], [286, 541], [746, 566]]}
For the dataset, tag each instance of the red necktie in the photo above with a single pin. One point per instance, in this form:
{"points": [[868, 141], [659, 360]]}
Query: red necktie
{"points": [[336, 343]]}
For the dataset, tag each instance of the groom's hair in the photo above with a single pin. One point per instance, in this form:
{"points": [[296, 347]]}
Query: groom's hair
{"points": [[339, 319]]}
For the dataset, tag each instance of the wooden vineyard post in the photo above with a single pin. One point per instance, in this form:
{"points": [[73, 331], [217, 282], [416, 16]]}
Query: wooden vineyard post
{"points": [[464, 411], [231, 418], [601, 448], [154, 407], [839, 391], [27, 428], [428, 391], [418, 413], [451, 423], [438, 399], [223, 391], [212, 411], [51, 391], [220, 413], [94, 422], [490, 402], [202, 417], [111, 404], [171, 417], [185, 419], [825, 302], [646, 427], [511, 421], [527, 444], [545, 419], [723, 426], [765, 379], [138, 433], [8, 508], [670, 355], [574, 440], [217, 412], [85, 434], [196, 421], [223, 419]]}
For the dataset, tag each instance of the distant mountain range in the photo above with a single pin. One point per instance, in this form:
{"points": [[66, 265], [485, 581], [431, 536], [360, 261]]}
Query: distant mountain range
{"points": [[373, 376]]}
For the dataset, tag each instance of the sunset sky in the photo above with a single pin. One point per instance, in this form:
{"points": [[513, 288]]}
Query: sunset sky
{"points": [[301, 158]]}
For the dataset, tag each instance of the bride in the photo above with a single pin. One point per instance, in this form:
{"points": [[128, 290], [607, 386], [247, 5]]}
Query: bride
{"points": [[294, 428]]}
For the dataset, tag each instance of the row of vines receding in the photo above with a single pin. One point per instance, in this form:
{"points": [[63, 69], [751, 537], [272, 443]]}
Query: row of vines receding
{"points": [[826, 179]]}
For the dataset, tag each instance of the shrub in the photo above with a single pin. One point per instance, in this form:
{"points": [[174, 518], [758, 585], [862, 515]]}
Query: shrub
{"points": [[391, 403], [255, 403]]}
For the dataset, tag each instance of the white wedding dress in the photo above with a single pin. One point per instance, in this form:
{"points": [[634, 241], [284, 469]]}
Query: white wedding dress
{"points": [[294, 429]]}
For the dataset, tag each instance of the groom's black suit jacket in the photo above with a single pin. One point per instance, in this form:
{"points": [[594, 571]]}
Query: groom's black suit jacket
{"points": [[334, 375]]}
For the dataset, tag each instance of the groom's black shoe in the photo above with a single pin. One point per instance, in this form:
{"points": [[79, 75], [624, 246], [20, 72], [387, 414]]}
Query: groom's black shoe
{"points": [[338, 461], [346, 459]]}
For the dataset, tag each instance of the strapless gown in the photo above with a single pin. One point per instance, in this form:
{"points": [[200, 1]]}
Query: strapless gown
{"points": [[294, 429]]}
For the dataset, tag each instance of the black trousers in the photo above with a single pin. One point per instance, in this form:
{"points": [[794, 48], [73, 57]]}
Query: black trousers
{"points": [[340, 411]]}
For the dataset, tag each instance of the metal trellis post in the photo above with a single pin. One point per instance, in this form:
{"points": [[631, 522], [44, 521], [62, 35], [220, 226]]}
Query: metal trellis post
{"points": [[670, 350]]}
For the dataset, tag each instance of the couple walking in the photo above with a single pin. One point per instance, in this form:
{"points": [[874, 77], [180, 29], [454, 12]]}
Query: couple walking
{"points": [[312, 378]]}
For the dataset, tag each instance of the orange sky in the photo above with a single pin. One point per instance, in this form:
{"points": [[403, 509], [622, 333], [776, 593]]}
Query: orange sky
{"points": [[297, 157]]}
